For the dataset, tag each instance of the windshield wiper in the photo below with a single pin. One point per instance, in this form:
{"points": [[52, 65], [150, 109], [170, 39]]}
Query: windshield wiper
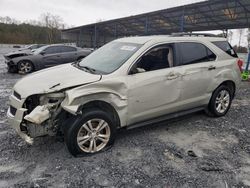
{"points": [[88, 68], [84, 68]]}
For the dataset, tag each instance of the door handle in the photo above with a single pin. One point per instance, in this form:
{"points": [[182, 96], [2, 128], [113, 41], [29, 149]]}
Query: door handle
{"points": [[212, 67], [172, 76]]}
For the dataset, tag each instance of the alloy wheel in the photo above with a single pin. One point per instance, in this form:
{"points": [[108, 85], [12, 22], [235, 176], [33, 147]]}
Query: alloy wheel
{"points": [[25, 67], [222, 101], [93, 135]]}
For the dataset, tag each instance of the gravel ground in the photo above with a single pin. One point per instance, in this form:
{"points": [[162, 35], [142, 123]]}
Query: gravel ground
{"points": [[193, 151]]}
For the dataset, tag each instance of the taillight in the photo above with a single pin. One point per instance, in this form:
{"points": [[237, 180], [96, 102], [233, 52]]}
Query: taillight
{"points": [[240, 63]]}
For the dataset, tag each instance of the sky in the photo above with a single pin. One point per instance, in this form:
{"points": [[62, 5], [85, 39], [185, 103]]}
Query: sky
{"points": [[81, 12]]}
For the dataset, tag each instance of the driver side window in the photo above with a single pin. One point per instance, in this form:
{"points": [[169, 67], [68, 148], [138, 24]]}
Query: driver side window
{"points": [[53, 50], [50, 50], [159, 57]]}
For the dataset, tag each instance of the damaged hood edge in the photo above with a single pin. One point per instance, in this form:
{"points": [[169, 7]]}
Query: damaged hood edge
{"points": [[14, 55], [53, 80]]}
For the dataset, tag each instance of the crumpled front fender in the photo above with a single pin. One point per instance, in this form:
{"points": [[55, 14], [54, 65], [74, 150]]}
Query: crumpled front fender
{"points": [[113, 92]]}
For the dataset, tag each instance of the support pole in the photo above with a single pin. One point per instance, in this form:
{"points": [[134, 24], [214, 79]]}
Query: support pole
{"points": [[95, 37], [146, 26], [182, 21], [225, 32], [248, 60], [245, 74], [80, 42], [115, 33]]}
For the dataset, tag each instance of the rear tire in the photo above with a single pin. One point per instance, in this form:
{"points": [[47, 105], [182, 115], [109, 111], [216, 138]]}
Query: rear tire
{"points": [[220, 102], [90, 133]]}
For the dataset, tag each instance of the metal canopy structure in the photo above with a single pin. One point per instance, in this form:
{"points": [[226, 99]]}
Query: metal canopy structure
{"points": [[202, 16]]}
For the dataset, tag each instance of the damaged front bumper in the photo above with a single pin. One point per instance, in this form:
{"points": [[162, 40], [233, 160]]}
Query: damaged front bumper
{"points": [[40, 120], [15, 116], [12, 67]]}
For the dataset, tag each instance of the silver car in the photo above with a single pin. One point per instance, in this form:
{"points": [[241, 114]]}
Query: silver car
{"points": [[129, 82]]}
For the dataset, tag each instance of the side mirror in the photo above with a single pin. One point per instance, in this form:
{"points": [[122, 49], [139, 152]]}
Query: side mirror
{"points": [[137, 70], [140, 70], [42, 52]]}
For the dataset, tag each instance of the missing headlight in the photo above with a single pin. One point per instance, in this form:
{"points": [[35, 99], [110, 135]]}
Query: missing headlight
{"points": [[48, 107]]}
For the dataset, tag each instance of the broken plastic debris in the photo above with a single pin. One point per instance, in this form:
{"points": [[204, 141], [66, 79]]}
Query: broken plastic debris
{"points": [[38, 115]]}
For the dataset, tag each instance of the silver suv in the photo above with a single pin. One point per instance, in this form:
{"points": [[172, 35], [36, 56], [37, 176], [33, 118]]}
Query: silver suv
{"points": [[129, 82]]}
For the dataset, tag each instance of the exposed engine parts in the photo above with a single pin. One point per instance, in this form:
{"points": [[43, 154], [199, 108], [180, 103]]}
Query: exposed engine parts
{"points": [[42, 119]]}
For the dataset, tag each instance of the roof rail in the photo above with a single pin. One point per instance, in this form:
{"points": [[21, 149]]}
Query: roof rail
{"points": [[193, 34]]}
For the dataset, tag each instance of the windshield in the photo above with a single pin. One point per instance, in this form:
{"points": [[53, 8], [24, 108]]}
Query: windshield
{"points": [[110, 57], [31, 47], [39, 50]]}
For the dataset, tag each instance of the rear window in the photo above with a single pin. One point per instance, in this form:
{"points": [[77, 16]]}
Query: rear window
{"points": [[226, 47], [192, 53]]}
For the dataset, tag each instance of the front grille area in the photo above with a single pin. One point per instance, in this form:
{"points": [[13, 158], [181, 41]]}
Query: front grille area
{"points": [[10, 63], [31, 103], [13, 110], [17, 95]]}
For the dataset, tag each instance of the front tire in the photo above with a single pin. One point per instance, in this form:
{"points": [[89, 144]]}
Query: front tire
{"points": [[90, 133], [220, 102], [25, 67]]}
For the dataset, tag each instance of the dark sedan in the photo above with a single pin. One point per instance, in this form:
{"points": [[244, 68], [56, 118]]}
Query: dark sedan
{"points": [[46, 56]]}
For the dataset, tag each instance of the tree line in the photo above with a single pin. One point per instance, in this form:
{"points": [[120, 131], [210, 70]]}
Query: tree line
{"points": [[44, 31]]}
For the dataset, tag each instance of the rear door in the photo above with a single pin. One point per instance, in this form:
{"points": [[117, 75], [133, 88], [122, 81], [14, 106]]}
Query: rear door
{"points": [[69, 54], [198, 64]]}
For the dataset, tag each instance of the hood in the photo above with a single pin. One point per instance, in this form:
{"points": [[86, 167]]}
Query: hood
{"points": [[54, 79], [16, 54]]}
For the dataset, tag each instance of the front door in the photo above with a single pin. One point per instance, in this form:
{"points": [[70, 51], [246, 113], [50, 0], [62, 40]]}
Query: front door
{"points": [[154, 85]]}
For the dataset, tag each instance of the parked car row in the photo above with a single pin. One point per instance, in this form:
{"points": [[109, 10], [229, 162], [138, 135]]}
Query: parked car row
{"points": [[37, 57]]}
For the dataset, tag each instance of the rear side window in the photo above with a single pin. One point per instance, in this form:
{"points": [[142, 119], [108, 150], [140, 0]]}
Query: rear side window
{"points": [[192, 53], [226, 47]]}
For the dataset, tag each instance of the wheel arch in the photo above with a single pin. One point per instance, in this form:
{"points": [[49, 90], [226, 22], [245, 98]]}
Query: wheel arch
{"points": [[32, 63], [105, 106], [25, 60], [231, 85]]}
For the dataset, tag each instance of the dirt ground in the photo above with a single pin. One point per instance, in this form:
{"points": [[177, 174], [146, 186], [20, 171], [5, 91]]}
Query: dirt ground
{"points": [[193, 151]]}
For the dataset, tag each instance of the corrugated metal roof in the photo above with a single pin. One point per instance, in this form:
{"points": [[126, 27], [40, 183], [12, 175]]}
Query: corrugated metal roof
{"points": [[202, 16]]}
